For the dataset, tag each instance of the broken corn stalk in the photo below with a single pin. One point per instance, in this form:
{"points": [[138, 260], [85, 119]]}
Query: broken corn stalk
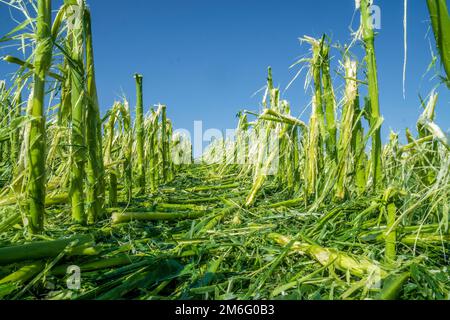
{"points": [[358, 267]]}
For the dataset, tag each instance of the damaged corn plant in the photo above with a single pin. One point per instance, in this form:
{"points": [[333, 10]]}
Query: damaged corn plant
{"points": [[112, 205]]}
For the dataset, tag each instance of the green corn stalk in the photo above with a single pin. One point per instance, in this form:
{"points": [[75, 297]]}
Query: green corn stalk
{"points": [[147, 139], [316, 66], [259, 182], [313, 153], [109, 129], [101, 194], [223, 150], [113, 189], [358, 146], [275, 98], [43, 249], [4, 110], [24, 274], [241, 154], [296, 157], [261, 150], [290, 176], [65, 110], [113, 262], [62, 121], [128, 164], [37, 132], [78, 143], [390, 197], [18, 184], [346, 134], [95, 171], [428, 157], [164, 144], [157, 151], [372, 75], [123, 217], [291, 158], [274, 128], [15, 135], [283, 168], [330, 104], [153, 150], [140, 133], [265, 156], [127, 148], [169, 149], [314, 156], [268, 89], [392, 159], [440, 21]]}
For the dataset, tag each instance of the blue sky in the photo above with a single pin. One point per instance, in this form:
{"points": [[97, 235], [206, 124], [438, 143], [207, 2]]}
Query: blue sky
{"points": [[205, 58]]}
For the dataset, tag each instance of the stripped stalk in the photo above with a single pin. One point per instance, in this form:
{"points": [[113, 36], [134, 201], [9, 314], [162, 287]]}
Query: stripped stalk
{"points": [[313, 154], [15, 135], [330, 104], [95, 170], [345, 138], [164, 143], [169, 134], [372, 75], [140, 133], [316, 66], [78, 143], [37, 133], [153, 150], [43, 249], [109, 129], [359, 149], [127, 135]]}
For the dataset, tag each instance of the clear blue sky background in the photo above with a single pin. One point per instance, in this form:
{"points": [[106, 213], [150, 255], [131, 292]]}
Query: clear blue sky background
{"points": [[205, 58]]}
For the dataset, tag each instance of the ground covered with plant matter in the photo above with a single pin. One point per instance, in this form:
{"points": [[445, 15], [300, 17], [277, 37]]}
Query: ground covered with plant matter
{"points": [[216, 249]]}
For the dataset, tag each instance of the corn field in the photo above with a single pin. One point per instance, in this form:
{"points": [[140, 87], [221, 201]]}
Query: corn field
{"points": [[287, 209]]}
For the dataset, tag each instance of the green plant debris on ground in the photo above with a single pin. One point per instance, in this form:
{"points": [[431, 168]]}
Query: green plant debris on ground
{"points": [[128, 255]]}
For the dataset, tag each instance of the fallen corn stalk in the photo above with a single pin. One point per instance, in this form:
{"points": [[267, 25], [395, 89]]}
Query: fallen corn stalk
{"points": [[356, 266], [411, 235], [15, 280], [49, 200], [46, 249], [119, 217], [210, 188], [23, 274], [118, 261]]}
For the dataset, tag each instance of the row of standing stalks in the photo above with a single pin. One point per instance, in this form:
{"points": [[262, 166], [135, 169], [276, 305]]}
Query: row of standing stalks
{"points": [[69, 146], [153, 161]]}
